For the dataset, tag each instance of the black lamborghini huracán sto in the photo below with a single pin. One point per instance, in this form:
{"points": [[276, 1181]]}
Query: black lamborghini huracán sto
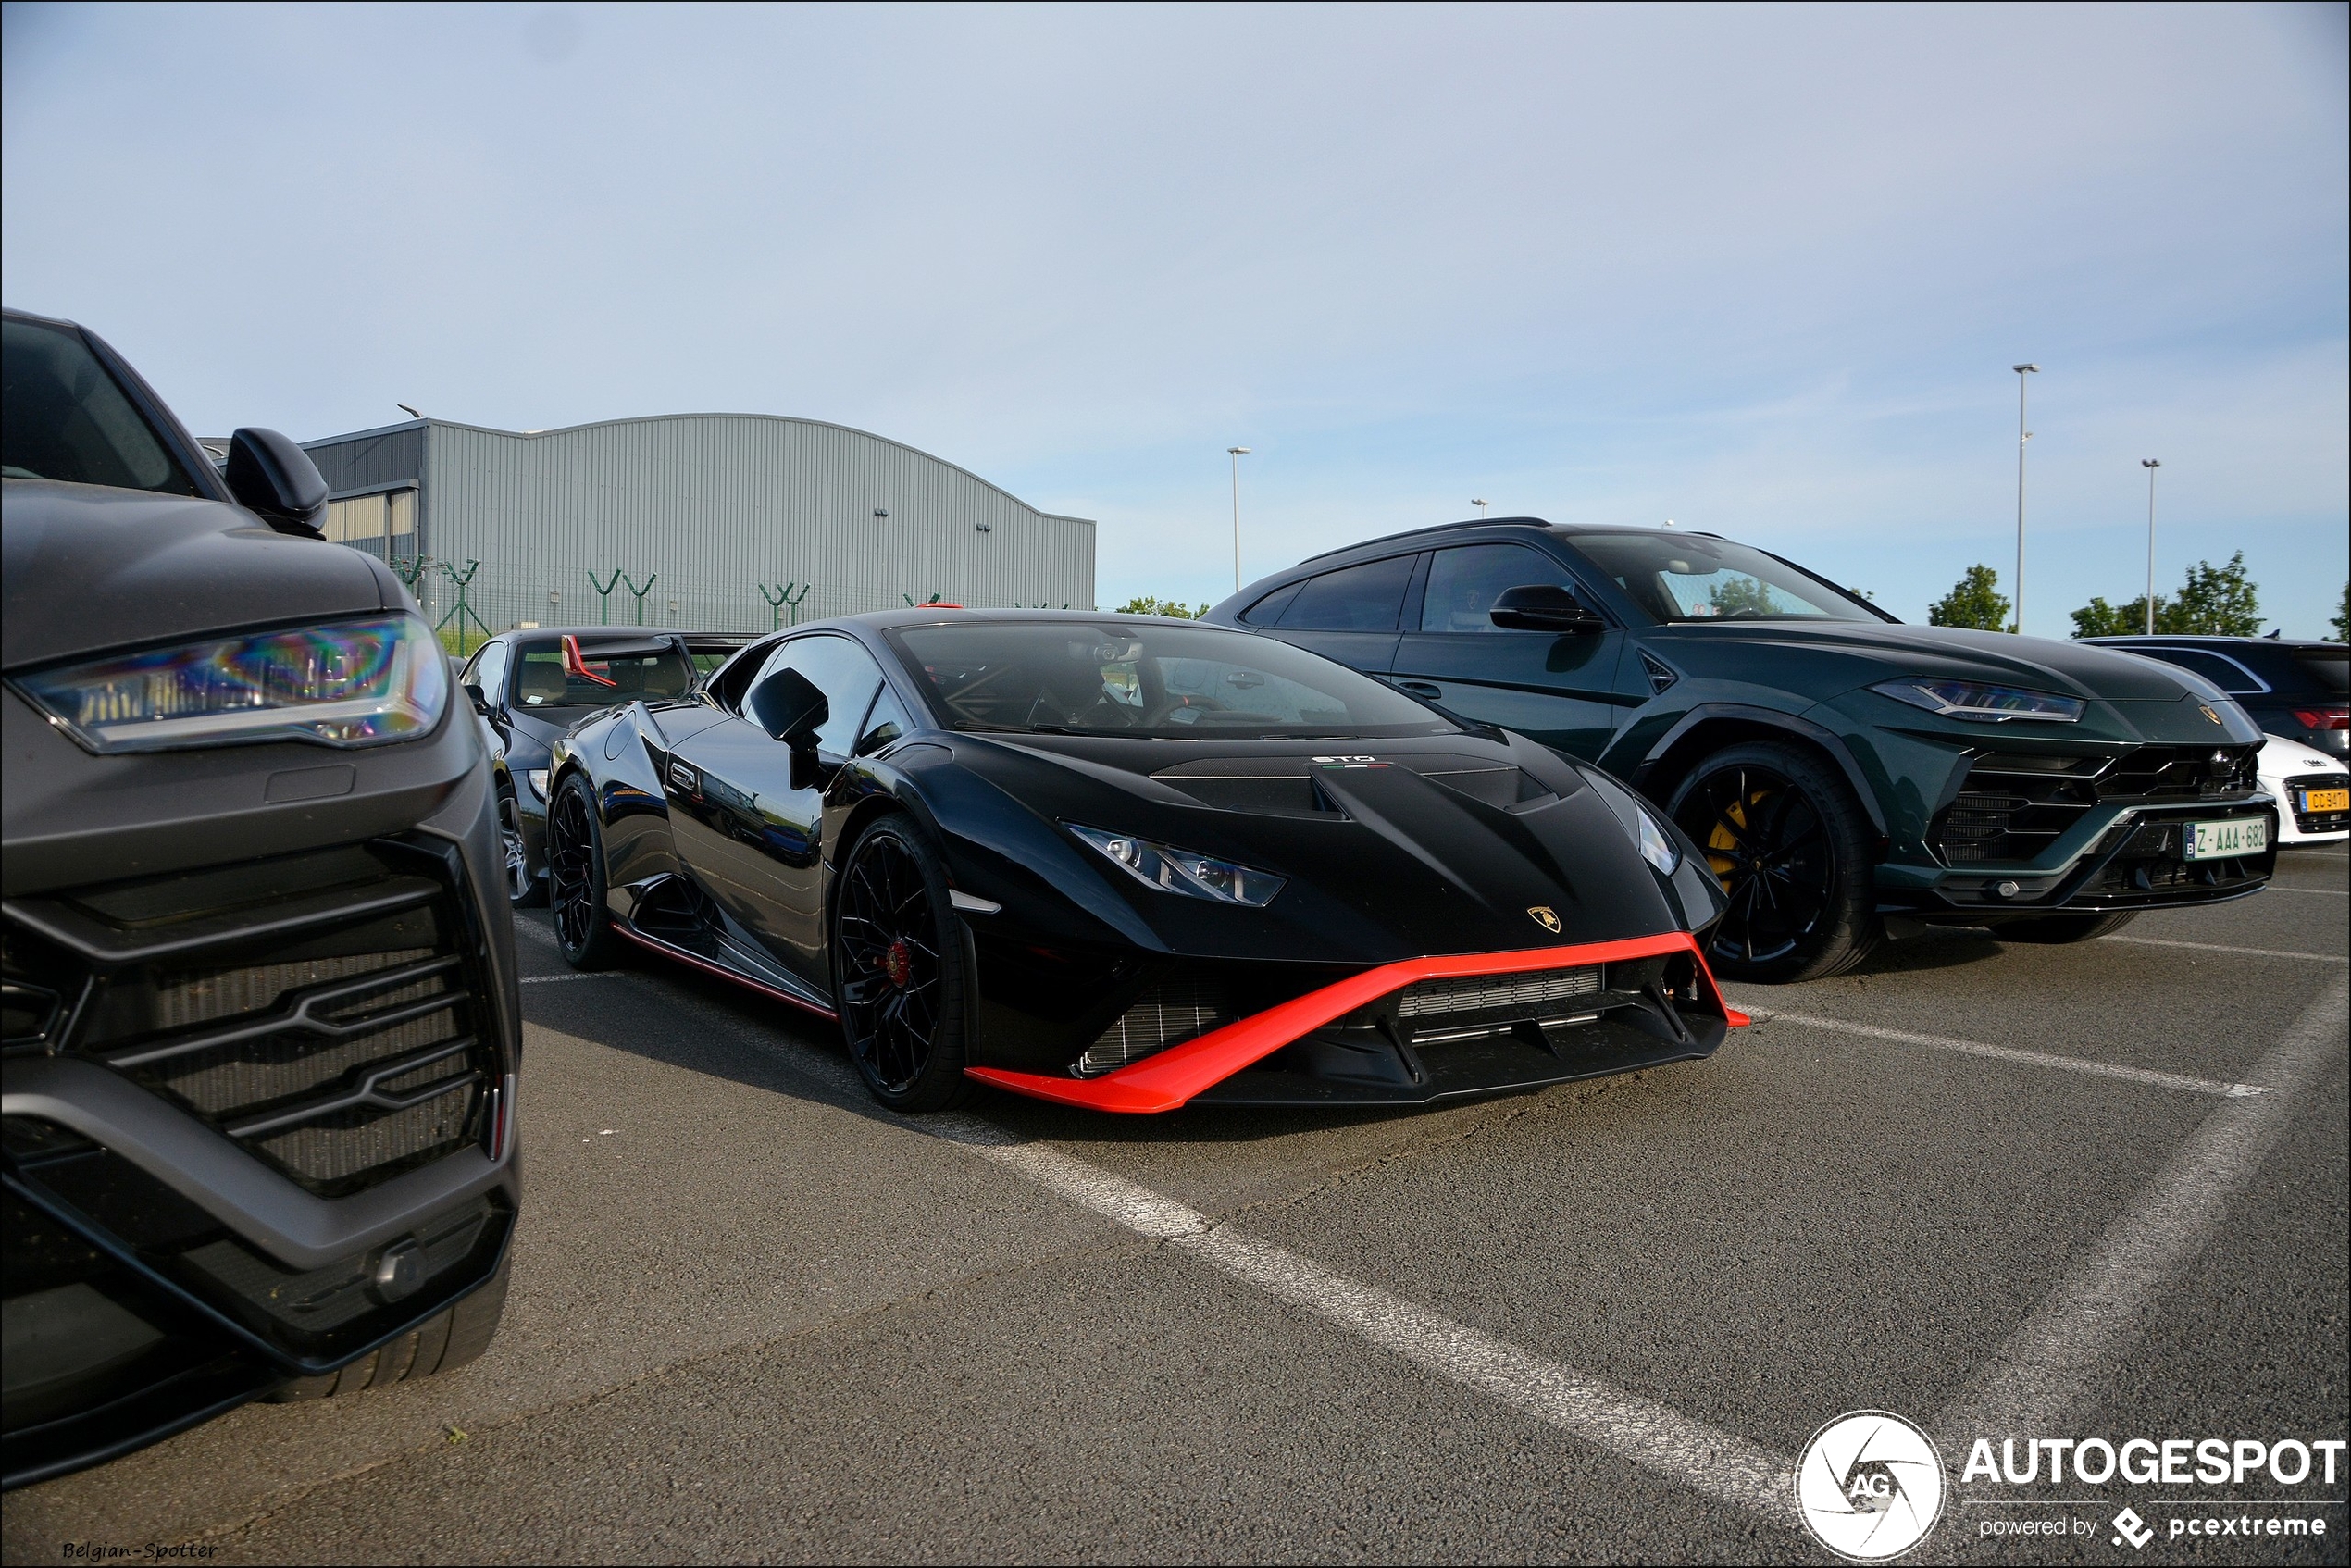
{"points": [[1133, 863]]}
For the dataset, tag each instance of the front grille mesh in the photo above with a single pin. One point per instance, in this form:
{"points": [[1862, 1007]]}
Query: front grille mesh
{"points": [[2011, 807], [1486, 994], [355, 1043], [1168, 1014]]}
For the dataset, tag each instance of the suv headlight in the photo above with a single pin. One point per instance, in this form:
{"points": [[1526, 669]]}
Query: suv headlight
{"points": [[1173, 870], [1980, 701], [348, 683]]}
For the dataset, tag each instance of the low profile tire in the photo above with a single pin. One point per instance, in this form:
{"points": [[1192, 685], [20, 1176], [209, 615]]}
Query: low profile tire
{"points": [[441, 1343], [2053, 930], [1794, 852], [576, 878], [898, 970], [524, 887]]}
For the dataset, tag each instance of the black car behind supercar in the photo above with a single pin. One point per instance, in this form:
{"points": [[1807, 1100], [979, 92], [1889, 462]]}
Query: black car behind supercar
{"points": [[1846, 774], [2290, 687], [1132, 863], [531, 686], [261, 1021]]}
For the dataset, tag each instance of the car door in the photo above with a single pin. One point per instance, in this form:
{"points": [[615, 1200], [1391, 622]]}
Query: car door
{"points": [[1561, 690], [751, 833], [1350, 614]]}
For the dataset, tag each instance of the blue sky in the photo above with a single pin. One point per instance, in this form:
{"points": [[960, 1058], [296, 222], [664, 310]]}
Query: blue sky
{"points": [[1761, 271]]}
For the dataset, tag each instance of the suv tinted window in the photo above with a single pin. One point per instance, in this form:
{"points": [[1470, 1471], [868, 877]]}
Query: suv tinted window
{"points": [[1464, 582], [62, 417], [844, 672], [1365, 598], [1268, 610]]}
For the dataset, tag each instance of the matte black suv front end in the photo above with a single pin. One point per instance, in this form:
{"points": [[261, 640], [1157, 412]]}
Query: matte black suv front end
{"points": [[262, 1029]]}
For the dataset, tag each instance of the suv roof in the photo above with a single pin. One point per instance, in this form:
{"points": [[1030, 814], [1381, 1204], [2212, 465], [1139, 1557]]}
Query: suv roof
{"points": [[1570, 529], [2196, 636]]}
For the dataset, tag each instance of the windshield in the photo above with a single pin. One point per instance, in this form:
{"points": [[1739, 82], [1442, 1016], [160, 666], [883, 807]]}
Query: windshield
{"points": [[540, 680], [63, 417], [1685, 577], [1138, 678]]}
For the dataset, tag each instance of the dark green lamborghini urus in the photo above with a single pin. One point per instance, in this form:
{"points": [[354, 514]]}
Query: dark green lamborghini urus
{"points": [[1846, 775]]}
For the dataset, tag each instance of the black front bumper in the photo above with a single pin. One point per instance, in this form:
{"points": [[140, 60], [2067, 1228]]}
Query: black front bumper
{"points": [[258, 1123]]}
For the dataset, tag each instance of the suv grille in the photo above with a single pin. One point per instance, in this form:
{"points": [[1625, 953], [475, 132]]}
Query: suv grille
{"points": [[329, 1011], [2011, 807]]}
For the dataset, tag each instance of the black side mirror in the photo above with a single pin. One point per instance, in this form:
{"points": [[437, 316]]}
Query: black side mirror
{"points": [[480, 700], [1544, 607], [787, 705], [276, 480]]}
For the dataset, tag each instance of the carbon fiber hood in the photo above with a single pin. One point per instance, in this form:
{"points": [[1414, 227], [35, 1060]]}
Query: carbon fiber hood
{"points": [[87, 568]]}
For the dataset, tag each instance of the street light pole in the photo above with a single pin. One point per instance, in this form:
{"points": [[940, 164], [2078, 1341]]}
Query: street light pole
{"points": [[2150, 465], [2022, 435], [1237, 452], [1479, 505]]}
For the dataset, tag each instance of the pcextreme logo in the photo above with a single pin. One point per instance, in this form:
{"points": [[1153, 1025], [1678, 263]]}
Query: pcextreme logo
{"points": [[1870, 1485]]}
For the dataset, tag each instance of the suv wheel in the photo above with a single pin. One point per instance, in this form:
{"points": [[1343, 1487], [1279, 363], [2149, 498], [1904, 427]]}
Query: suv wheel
{"points": [[1793, 850], [441, 1343]]}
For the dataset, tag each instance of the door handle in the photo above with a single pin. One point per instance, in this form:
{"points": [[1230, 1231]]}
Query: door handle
{"points": [[1422, 689]]}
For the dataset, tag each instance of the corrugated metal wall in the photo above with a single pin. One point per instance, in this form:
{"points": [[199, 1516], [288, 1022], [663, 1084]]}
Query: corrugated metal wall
{"points": [[715, 505]]}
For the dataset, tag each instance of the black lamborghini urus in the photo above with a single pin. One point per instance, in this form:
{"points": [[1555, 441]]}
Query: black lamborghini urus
{"points": [[261, 1019]]}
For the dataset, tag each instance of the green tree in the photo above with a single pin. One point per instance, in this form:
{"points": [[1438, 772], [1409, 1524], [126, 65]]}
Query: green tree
{"points": [[2099, 618], [2216, 601], [1974, 601], [1144, 604], [2342, 617]]}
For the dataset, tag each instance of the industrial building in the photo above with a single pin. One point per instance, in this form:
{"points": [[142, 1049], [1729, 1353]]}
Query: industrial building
{"points": [[733, 522]]}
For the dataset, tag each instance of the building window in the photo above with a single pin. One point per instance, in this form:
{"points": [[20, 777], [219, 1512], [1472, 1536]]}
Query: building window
{"points": [[383, 524]]}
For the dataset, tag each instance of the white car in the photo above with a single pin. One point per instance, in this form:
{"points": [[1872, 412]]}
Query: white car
{"points": [[2313, 792]]}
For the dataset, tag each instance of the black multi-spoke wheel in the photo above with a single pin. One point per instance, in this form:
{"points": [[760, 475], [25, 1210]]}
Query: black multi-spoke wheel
{"points": [[523, 887], [1791, 847], [898, 969], [575, 878]]}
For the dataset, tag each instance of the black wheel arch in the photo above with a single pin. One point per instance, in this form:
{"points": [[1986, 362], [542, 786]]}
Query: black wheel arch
{"points": [[1709, 726]]}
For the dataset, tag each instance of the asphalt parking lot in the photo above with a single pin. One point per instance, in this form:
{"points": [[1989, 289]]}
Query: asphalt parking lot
{"points": [[2097, 1190]]}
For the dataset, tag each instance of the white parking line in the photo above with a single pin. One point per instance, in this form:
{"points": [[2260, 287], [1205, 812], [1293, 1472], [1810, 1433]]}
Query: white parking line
{"points": [[2027, 1058], [2041, 1377], [2310, 892], [580, 975], [1690, 1453], [2219, 946], [1683, 1451]]}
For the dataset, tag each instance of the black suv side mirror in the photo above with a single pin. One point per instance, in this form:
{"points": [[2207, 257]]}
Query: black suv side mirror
{"points": [[276, 480], [480, 700], [1544, 607], [787, 705]]}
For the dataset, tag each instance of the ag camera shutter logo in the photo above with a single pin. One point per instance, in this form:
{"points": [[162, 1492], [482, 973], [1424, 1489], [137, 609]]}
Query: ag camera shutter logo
{"points": [[1870, 1485]]}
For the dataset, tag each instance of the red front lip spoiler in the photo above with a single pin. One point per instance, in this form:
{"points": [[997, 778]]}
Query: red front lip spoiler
{"points": [[1172, 1077]]}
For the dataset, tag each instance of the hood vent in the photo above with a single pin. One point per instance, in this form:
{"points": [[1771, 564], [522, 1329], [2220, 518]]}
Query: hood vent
{"points": [[1288, 787]]}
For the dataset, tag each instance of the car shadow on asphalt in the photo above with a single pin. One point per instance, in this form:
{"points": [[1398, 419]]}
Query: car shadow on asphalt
{"points": [[588, 1011]]}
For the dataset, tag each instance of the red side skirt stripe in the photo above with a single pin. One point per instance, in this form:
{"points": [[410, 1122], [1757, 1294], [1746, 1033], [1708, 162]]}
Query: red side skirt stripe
{"points": [[1166, 1080]]}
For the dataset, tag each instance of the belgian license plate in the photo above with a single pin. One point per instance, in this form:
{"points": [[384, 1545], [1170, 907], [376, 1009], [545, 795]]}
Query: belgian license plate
{"points": [[2326, 800], [2226, 841]]}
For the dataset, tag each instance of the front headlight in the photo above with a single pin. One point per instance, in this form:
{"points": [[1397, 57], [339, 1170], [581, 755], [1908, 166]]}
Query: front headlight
{"points": [[1980, 701], [1657, 845], [349, 683], [1173, 870]]}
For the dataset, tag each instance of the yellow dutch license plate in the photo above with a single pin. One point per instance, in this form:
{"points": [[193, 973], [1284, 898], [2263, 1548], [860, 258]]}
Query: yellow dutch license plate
{"points": [[2226, 841], [2326, 800]]}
